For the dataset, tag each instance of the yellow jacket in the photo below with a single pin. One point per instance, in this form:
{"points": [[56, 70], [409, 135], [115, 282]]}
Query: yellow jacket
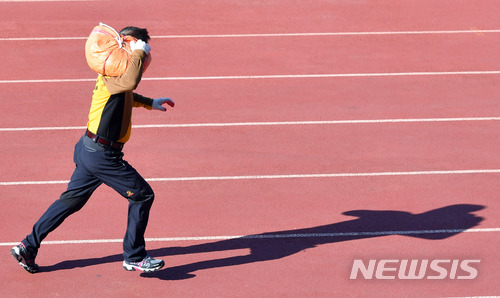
{"points": [[111, 110]]}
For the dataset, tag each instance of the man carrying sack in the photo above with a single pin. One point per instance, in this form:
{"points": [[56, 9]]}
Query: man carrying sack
{"points": [[99, 159]]}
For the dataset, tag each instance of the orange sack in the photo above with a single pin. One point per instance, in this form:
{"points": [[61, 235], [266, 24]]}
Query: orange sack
{"points": [[108, 53]]}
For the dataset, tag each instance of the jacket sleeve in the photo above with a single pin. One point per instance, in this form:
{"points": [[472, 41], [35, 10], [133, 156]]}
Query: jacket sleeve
{"points": [[143, 101], [131, 78]]}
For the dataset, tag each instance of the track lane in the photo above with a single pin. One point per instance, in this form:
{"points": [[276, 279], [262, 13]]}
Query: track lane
{"points": [[219, 101], [297, 55], [227, 17], [345, 148], [246, 208]]}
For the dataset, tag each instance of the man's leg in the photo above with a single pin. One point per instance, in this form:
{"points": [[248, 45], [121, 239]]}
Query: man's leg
{"points": [[118, 174], [130, 184], [80, 188], [134, 246], [109, 167]]}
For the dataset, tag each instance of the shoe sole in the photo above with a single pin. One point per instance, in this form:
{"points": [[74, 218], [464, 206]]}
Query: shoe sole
{"points": [[129, 267], [16, 253]]}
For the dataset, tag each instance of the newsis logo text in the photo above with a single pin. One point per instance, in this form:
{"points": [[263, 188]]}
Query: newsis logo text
{"points": [[415, 269]]}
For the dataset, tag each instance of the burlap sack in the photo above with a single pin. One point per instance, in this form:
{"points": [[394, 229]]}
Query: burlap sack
{"points": [[108, 53]]}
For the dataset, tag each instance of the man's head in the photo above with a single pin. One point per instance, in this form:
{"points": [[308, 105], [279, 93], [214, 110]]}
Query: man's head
{"points": [[139, 33]]}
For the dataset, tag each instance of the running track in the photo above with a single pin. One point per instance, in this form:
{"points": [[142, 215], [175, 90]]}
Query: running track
{"points": [[324, 131]]}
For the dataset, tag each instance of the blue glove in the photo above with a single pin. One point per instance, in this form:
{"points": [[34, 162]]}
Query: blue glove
{"points": [[158, 103]]}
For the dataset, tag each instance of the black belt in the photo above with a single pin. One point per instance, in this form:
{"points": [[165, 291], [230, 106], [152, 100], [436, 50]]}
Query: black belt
{"points": [[104, 142]]}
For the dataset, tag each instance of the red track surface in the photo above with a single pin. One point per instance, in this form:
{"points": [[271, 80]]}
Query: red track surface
{"points": [[306, 266]]}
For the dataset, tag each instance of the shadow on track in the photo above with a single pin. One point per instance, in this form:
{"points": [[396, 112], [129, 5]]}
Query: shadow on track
{"points": [[435, 224]]}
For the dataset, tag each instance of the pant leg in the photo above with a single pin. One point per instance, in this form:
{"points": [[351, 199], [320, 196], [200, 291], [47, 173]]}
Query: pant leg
{"points": [[134, 246], [132, 186], [80, 188], [114, 171]]}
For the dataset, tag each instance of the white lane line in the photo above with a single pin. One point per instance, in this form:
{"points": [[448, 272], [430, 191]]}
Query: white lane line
{"points": [[48, 0], [48, 81], [306, 34], [250, 35], [329, 175], [42, 128], [279, 76], [278, 123], [13, 183], [331, 75], [275, 236], [326, 122], [289, 176]]}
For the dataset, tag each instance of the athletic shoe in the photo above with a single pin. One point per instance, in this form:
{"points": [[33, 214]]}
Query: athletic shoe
{"points": [[24, 258], [148, 264]]}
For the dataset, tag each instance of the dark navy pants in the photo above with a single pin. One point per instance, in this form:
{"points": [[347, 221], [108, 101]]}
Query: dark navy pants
{"points": [[95, 165]]}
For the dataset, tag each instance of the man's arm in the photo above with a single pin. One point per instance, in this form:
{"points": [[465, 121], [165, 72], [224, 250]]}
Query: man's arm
{"points": [[152, 104], [143, 101], [132, 76]]}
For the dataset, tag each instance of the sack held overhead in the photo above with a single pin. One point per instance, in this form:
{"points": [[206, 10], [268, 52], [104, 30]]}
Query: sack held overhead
{"points": [[108, 53]]}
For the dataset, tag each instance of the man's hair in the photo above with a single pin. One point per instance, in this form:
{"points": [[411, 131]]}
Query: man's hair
{"points": [[139, 33]]}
